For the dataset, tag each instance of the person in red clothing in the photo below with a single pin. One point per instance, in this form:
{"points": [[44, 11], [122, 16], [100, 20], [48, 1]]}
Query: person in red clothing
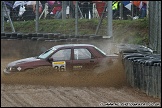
{"points": [[57, 10]]}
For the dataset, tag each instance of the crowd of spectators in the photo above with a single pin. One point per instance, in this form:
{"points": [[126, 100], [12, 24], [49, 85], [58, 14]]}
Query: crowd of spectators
{"points": [[85, 10]]}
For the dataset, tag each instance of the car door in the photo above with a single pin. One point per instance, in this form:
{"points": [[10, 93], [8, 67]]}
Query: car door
{"points": [[83, 59], [62, 60]]}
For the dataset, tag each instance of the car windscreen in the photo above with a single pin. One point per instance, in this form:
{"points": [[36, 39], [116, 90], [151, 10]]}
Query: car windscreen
{"points": [[46, 53]]}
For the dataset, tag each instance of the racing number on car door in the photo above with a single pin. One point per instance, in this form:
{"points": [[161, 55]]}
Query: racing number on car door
{"points": [[59, 66]]}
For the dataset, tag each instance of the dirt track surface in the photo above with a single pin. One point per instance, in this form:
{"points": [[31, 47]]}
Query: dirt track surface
{"points": [[34, 89], [48, 96]]}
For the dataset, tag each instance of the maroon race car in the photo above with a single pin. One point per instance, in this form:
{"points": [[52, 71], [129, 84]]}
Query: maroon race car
{"points": [[68, 57]]}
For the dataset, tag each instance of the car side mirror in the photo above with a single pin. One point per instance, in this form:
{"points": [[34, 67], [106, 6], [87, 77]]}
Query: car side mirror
{"points": [[92, 57], [50, 59]]}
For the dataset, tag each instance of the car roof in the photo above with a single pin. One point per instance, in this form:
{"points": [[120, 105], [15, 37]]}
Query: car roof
{"points": [[72, 45]]}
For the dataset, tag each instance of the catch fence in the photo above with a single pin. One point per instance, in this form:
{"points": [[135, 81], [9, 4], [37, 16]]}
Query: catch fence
{"points": [[155, 26], [76, 12]]}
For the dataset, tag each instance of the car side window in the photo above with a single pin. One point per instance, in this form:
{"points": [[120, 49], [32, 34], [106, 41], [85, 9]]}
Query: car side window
{"points": [[82, 53], [64, 54]]}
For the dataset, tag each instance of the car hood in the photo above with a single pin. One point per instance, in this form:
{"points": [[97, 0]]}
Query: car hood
{"points": [[26, 60]]}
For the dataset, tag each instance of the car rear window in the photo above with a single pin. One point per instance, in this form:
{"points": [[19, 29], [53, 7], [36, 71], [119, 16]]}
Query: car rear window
{"points": [[99, 50]]}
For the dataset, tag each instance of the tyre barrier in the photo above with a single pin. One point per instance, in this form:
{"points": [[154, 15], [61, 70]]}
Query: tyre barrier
{"points": [[56, 37], [130, 48], [143, 70]]}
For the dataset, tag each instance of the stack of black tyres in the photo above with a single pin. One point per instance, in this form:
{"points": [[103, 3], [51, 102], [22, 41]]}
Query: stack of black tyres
{"points": [[143, 70]]}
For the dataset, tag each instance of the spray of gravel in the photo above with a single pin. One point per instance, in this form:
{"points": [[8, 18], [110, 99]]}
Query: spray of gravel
{"points": [[113, 76]]}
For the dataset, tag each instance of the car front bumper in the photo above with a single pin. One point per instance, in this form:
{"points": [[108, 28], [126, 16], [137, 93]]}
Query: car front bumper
{"points": [[6, 72]]}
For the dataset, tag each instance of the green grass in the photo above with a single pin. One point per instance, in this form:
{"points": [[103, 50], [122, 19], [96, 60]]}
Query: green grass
{"points": [[127, 31]]}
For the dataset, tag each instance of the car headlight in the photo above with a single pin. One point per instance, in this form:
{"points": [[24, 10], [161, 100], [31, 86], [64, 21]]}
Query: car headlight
{"points": [[12, 69]]}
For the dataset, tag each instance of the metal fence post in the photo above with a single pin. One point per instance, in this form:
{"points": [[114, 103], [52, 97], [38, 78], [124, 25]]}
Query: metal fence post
{"points": [[109, 19], [37, 16], [76, 18], [63, 10], [2, 17]]}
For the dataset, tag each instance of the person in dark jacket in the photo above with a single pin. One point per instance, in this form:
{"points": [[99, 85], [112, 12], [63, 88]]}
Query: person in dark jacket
{"points": [[143, 10]]}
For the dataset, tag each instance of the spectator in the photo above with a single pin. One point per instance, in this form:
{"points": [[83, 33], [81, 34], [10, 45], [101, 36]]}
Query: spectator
{"points": [[143, 10], [115, 8], [81, 6], [43, 4], [126, 12], [72, 9], [57, 9], [90, 6], [84, 8], [28, 14]]}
